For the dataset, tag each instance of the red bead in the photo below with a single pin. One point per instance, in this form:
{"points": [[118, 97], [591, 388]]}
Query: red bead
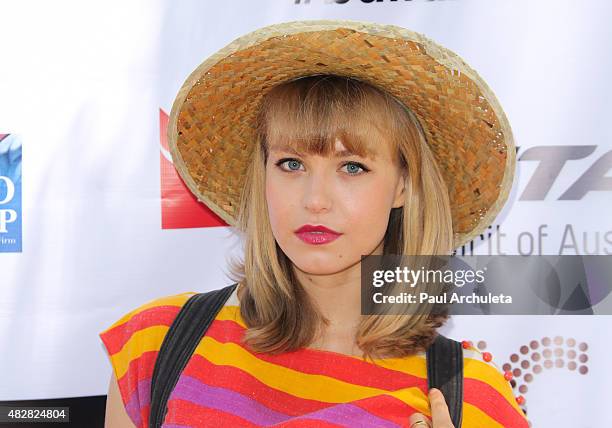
{"points": [[520, 399], [508, 375], [487, 356], [466, 344]]}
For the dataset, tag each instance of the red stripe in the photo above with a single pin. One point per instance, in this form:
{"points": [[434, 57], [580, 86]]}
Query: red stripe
{"points": [[187, 413], [237, 380], [338, 366], [308, 423], [117, 337], [491, 402], [144, 416]]}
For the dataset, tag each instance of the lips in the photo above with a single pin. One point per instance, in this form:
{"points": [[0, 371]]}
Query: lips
{"points": [[316, 235], [319, 228]]}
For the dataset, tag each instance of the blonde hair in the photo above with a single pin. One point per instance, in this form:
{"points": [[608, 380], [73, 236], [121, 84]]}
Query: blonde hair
{"points": [[308, 114]]}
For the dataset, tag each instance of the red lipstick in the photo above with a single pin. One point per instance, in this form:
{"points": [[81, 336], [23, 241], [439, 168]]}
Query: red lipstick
{"points": [[316, 235]]}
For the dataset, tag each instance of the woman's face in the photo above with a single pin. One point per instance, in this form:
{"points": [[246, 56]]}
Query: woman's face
{"points": [[348, 194]]}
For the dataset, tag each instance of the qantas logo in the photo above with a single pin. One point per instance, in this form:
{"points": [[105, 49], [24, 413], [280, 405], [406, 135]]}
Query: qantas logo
{"points": [[552, 159]]}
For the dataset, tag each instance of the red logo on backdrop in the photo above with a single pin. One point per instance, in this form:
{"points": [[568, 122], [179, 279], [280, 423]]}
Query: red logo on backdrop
{"points": [[179, 208]]}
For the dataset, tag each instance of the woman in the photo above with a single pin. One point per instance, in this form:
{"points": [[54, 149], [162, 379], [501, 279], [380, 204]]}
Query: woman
{"points": [[322, 141]]}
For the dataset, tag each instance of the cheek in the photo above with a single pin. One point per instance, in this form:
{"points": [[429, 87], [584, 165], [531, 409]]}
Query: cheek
{"points": [[368, 208], [369, 225]]}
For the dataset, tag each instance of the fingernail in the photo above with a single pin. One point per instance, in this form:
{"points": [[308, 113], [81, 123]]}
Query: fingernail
{"points": [[433, 391]]}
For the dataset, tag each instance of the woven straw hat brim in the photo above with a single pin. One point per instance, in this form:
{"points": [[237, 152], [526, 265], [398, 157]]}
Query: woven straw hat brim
{"points": [[211, 130]]}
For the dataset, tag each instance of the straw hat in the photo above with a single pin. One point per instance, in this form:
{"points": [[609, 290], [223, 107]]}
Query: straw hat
{"points": [[211, 127]]}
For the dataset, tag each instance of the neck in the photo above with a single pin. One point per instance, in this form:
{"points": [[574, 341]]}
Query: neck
{"points": [[338, 298], [340, 304]]}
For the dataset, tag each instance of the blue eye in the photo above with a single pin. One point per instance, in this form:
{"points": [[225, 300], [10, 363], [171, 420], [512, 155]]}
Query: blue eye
{"points": [[294, 165], [356, 166], [291, 162]]}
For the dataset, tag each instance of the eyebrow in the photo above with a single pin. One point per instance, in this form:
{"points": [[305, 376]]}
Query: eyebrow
{"points": [[340, 154]]}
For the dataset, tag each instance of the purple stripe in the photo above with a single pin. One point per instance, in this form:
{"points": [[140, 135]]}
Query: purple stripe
{"points": [[135, 403], [191, 389], [349, 415]]}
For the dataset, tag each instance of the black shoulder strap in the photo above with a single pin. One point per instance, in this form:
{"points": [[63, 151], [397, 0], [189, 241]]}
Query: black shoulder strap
{"points": [[180, 342], [445, 372]]}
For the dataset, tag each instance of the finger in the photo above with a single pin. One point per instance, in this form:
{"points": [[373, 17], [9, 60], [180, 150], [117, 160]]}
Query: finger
{"points": [[418, 420], [439, 410]]}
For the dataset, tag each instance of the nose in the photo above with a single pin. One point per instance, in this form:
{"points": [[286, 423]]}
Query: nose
{"points": [[317, 193]]}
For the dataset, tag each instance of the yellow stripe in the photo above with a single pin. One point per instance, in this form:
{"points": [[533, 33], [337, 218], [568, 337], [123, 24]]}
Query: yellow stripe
{"points": [[145, 340], [414, 365], [473, 417], [298, 384], [231, 313]]}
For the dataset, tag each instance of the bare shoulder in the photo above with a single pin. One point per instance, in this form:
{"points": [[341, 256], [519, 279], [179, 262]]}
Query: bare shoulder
{"points": [[116, 415]]}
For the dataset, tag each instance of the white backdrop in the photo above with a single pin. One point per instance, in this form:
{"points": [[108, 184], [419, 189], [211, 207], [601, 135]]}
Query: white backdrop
{"points": [[83, 83]]}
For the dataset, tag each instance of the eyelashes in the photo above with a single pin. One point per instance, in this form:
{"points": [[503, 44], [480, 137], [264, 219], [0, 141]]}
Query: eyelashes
{"points": [[363, 168]]}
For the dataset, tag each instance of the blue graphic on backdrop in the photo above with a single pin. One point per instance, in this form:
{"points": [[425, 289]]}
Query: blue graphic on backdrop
{"points": [[10, 193]]}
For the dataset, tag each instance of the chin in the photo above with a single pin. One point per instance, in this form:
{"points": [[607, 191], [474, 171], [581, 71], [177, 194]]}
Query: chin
{"points": [[325, 265]]}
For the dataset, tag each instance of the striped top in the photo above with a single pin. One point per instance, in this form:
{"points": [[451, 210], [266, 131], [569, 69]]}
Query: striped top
{"points": [[225, 385]]}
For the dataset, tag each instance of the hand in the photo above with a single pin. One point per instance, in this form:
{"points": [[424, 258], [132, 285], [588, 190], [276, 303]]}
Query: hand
{"points": [[439, 413]]}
